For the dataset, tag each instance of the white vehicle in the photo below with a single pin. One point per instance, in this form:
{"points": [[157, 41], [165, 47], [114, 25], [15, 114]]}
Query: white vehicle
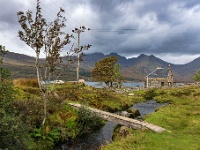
{"points": [[59, 81]]}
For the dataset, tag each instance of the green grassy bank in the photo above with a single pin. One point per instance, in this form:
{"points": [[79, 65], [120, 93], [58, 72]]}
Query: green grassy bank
{"points": [[181, 117]]}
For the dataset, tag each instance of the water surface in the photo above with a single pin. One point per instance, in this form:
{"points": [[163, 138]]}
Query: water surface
{"points": [[126, 84]]}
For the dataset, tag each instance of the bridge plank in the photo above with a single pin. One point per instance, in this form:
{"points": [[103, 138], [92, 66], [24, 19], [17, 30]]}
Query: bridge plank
{"points": [[129, 122]]}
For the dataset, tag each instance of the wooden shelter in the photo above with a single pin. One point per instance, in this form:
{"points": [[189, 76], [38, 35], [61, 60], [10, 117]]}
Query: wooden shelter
{"points": [[160, 77]]}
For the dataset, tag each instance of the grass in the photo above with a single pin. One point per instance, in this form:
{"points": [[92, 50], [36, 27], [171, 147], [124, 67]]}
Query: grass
{"points": [[29, 104], [103, 99], [181, 117], [140, 140], [26, 89]]}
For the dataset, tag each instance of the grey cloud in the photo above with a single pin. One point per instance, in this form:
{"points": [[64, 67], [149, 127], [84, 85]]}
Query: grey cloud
{"points": [[161, 26], [191, 3], [184, 43], [173, 41], [108, 12], [8, 14]]}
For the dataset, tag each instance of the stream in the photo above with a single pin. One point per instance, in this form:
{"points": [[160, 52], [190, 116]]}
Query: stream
{"points": [[93, 141]]}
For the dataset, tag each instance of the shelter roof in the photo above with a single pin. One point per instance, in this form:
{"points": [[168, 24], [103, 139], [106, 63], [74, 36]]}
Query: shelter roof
{"points": [[158, 73]]}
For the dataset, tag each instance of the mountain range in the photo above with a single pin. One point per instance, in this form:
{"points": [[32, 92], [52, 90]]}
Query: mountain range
{"points": [[135, 69]]}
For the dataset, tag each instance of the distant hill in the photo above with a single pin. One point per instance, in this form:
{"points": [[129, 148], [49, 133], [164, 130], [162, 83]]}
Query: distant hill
{"points": [[133, 68]]}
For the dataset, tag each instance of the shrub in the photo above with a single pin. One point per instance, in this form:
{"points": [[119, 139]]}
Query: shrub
{"points": [[30, 111], [181, 92], [14, 134], [149, 94], [88, 121]]}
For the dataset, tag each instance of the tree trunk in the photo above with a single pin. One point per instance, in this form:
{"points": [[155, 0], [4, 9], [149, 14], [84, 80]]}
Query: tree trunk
{"points": [[45, 107], [37, 70], [44, 91]]}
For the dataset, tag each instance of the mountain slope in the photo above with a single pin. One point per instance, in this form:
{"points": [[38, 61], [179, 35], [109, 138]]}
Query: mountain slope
{"points": [[132, 68], [19, 59]]}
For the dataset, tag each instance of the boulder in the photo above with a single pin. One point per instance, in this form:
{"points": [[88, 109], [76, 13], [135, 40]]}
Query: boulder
{"points": [[131, 94], [120, 132], [81, 81], [125, 114], [135, 112], [59, 81]]}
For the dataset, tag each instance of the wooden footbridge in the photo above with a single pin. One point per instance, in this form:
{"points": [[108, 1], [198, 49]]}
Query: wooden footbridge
{"points": [[132, 123]]}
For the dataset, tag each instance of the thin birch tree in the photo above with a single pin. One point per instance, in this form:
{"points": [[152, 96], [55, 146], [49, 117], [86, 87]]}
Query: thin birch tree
{"points": [[46, 38]]}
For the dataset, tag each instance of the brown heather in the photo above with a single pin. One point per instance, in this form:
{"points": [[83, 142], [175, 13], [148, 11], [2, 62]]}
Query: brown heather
{"points": [[29, 82]]}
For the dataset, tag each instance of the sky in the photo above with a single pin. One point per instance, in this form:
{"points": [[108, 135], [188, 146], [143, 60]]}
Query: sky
{"points": [[168, 29]]}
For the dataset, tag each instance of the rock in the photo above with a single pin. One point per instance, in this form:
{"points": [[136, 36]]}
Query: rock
{"points": [[134, 111], [139, 118], [81, 81], [125, 114], [120, 131], [131, 94], [59, 81]]}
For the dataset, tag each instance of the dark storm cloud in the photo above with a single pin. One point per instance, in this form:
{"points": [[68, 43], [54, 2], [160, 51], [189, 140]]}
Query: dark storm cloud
{"points": [[127, 27], [108, 11], [167, 26], [179, 43]]}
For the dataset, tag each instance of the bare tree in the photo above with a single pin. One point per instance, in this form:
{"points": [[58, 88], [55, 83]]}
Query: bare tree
{"points": [[47, 38]]}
